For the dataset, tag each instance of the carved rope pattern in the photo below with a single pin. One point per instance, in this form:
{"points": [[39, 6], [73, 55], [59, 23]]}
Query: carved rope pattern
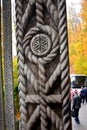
{"points": [[52, 10], [49, 99], [54, 118], [44, 60], [43, 104], [50, 113], [20, 53], [51, 33], [34, 81], [41, 109], [43, 100], [39, 12], [31, 78], [27, 13], [64, 64], [34, 117]]}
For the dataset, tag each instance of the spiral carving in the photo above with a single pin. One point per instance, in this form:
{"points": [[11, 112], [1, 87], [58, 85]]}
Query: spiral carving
{"points": [[52, 10], [54, 38], [20, 53], [31, 78], [54, 118], [62, 27], [49, 99], [43, 100], [39, 46], [39, 12], [43, 110], [27, 13]]}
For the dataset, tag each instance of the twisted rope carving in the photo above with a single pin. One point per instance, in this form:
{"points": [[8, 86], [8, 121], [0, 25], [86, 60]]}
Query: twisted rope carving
{"points": [[50, 113], [52, 10], [21, 79], [43, 100], [49, 99], [33, 119], [43, 109], [49, 83], [39, 12], [55, 38], [31, 78], [27, 13], [34, 81], [55, 46], [26, 44], [48, 58], [64, 64], [43, 86], [54, 118]]}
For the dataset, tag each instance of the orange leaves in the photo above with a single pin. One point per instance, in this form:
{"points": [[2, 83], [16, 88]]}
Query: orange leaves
{"points": [[17, 116], [83, 13], [78, 42]]}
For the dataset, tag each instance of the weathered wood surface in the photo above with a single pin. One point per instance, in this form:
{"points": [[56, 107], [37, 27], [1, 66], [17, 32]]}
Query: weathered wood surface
{"points": [[1, 84], [8, 81], [43, 66]]}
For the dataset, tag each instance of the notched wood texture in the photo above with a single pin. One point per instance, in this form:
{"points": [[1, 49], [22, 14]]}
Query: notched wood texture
{"points": [[39, 54]]}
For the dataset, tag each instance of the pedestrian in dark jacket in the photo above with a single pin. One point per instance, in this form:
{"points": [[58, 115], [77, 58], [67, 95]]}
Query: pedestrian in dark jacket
{"points": [[76, 106], [82, 94], [85, 94]]}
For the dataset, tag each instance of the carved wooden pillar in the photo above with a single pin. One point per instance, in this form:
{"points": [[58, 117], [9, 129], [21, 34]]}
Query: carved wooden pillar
{"points": [[8, 77], [43, 66], [1, 86], [1, 97]]}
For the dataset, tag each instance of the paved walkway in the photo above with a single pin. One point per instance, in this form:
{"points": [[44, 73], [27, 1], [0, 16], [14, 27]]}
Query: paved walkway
{"points": [[82, 117]]}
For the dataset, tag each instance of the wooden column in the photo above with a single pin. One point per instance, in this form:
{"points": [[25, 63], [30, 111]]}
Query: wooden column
{"points": [[8, 81], [43, 65], [1, 84]]}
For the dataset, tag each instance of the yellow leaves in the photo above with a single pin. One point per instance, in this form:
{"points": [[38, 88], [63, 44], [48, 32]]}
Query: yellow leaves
{"points": [[15, 71], [83, 12], [78, 59], [78, 56], [78, 48], [78, 43], [81, 65]]}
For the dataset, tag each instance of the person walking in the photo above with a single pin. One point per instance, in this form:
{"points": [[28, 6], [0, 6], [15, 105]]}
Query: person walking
{"points": [[82, 94], [86, 94], [76, 106]]}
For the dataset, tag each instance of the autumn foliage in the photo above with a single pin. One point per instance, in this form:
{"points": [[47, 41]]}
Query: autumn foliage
{"points": [[77, 36]]}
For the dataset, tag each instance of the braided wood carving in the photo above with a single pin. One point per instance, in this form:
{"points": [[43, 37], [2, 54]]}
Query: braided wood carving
{"points": [[42, 65]]}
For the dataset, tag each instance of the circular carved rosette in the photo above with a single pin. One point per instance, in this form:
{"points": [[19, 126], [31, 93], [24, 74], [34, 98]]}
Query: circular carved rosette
{"points": [[41, 43]]}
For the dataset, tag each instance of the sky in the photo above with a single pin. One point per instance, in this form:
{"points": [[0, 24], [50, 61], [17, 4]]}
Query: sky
{"points": [[76, 4], [73, 1]]}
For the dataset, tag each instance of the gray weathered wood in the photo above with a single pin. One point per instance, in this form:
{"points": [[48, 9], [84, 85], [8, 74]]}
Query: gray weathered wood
{"points": [[1, 88], [9, 103], [43, 69]]}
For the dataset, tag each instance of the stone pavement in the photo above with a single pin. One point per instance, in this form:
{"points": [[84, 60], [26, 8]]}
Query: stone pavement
{"points": [[82, 117]]}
